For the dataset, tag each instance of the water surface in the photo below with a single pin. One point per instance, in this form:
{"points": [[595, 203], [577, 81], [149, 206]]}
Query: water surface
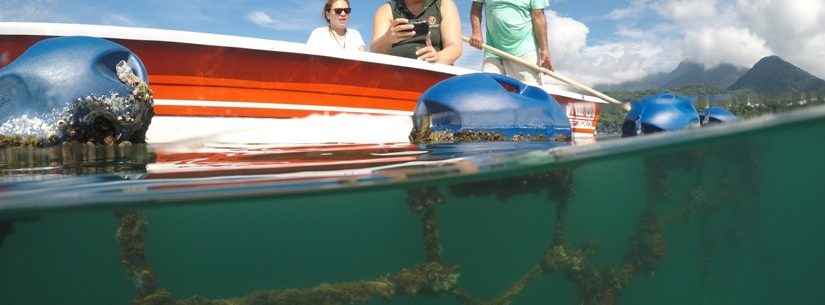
{"points": [[726, 215]]}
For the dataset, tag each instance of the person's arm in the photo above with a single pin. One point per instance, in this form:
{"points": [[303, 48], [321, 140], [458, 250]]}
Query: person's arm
{"points": [[388, 31], [450, 37], [540, 34], [475, 21], [450, 33]]}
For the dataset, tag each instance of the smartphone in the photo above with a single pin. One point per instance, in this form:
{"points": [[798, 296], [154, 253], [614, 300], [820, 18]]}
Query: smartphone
{"points": [[421, 27]]}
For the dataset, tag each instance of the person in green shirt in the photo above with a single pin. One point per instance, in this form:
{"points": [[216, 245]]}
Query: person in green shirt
{"points": [[518, 27]]}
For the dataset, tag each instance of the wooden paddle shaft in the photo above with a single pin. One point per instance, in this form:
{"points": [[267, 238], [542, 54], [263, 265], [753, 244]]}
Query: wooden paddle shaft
{"points": [[552, 74]]}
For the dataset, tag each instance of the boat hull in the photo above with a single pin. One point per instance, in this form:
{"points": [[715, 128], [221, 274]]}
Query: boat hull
{"points": [[197, 75]]}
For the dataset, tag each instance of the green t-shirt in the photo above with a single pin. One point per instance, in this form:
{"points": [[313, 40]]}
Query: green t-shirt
{"points": [[510, 26]]}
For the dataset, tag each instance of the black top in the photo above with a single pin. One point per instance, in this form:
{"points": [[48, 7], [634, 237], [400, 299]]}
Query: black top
{"points": [[431, 13]]}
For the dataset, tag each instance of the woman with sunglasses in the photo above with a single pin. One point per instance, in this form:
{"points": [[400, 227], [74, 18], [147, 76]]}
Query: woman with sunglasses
{"points": [[437, 40], [336, 35]]}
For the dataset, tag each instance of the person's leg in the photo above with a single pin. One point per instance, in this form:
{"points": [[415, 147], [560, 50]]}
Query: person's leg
{"points": [[493, 65], [522, 72]]}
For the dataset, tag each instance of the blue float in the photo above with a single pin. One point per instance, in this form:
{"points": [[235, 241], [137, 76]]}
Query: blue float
{"points": [[68, 88], [658, 113], [717, 115], [493, 104], [669, 112]]}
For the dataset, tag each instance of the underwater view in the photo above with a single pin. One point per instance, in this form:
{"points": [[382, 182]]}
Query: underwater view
{"points": [[730, 214], [427, 152]]}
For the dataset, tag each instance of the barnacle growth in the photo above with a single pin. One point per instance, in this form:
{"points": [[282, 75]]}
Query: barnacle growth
{"points": [[130, 237], [429, 278], [476, 136], [101, 119], [424, 202]]}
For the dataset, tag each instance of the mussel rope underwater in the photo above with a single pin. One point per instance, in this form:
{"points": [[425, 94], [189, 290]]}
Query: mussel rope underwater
{"points": [[594, 284]]}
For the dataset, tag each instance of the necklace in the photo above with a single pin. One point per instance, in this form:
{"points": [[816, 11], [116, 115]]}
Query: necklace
{"points": [[342, 42]]}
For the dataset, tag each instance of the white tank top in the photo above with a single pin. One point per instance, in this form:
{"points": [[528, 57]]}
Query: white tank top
{"points": [[322, 38]]}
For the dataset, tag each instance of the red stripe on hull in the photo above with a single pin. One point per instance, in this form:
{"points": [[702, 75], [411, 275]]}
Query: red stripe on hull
{"points": [[155, 79], [167, 58], [210, 73], [278, 96], [196, 111]]}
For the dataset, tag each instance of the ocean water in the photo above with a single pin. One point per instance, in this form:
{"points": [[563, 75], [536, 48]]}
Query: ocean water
{"points": [[723, 215]]}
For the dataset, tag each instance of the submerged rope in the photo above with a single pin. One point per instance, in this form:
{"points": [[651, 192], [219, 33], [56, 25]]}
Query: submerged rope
{"points": [[595, 284]]}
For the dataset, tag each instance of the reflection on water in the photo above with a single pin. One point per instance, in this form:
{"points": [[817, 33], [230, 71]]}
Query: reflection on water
{"points": [[73, 159], [32, 178], [715, 216]]}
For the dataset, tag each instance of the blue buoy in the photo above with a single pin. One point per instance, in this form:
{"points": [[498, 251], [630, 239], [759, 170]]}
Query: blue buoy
{"points": [[717, 115], [658, 113], [75, 88], [488, 107]]}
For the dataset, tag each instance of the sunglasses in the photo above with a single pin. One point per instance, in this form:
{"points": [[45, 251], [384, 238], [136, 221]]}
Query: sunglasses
{"points": [[338, 11]]}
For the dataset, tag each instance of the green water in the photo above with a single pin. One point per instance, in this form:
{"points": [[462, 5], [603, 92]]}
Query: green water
{"points": [[730, 215]]}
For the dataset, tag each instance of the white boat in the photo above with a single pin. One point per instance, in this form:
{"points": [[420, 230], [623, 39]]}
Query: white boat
{"points": [[207, 85]]}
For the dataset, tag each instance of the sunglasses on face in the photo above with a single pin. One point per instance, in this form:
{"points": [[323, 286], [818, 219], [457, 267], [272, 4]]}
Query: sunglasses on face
{"points": [[338, 11]]}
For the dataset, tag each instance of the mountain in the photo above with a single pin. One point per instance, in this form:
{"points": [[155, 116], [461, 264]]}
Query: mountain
{"points": [[694, 74], [688, 73], [773, 75], [653, 81]]}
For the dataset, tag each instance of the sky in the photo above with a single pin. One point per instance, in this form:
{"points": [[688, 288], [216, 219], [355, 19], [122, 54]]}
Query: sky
{"points": [[593, 41]]}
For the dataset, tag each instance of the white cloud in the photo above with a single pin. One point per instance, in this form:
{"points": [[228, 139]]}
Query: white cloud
{"points": [[567, 36], [260, 18], [607, 61], [726, 44], [688, 11], [708, 31], [294, 16], [118, 19], [635, 9], [792, 29], [279, 21]]}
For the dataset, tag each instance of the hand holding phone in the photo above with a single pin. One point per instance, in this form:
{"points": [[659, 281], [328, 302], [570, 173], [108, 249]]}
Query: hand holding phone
{"points": [[421, 27], [400, 30]]}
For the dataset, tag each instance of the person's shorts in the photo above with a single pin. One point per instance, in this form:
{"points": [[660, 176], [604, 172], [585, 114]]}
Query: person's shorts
{"points": [[513, 69]]}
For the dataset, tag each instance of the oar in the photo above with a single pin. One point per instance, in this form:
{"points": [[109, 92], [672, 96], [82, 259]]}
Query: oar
{"points": [[546, 71]]}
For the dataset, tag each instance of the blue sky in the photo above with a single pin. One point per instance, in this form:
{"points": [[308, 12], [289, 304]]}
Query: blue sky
{"points": [[230, 17], [596, 41]]}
